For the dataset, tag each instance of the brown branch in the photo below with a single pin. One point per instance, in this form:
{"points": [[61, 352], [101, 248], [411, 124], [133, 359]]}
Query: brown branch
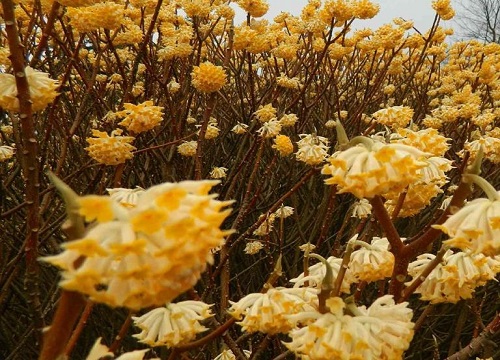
{"points": [[29, 162]]}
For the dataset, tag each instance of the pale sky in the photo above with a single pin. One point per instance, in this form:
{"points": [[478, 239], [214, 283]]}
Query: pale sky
{"points": [[420, 11]]}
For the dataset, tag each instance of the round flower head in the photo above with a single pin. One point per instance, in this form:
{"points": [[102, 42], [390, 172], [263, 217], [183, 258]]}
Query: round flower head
{"points": [[142, 117], [362, 209], [373, 168], [288, 120], [265, 113], [42, 90], [146, 255], [383, 331], [188, 148], [427, 140], [255, 8], [269, 312], [110, 150], [84, 19], [372, 262], [455, 278], [476, 226], [173, 324], [283, 145], [313, 149], [208, 77]]}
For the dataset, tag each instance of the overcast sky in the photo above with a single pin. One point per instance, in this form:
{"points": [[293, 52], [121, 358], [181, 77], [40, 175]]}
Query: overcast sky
{"points": [[420, 11]]}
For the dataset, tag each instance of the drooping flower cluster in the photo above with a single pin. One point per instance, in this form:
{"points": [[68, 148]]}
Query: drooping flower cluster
{"points": [[148, 254], [110, 150], [312, 150], [382, 331], [372, 262], [140, 118], [100, 351], [283, 145], [126, 197], [373, 168], [173, 324], [456, 277], [6, 152], [270, 312], [42, 90], [476, 226]]}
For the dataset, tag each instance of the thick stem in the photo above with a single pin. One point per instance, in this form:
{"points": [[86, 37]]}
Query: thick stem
{"points": [[29, 161]]}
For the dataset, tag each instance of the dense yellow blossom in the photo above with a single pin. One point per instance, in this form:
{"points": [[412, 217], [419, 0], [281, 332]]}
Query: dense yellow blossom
{"points": [[283, 145], [148, 254], [371, 169], [208, 77], [140, 118], [110, 150]]}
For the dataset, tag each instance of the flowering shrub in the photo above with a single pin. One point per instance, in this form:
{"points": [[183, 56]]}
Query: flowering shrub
{"points": [[361, 167]]}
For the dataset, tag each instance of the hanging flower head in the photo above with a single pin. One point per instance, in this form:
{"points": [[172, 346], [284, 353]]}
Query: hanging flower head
{"points": [[269, 312], [372, 262], [173, 324], [382, 331], [455, 278], [373, 168], [313, 149], [42, 90], [148, 254], [476, 226]]}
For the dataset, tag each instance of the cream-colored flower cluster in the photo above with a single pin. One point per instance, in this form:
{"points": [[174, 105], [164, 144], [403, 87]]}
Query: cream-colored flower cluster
{"points": [[373, 168], [313, 149], [372, 262], [173, 324], [42, 90], [456, 276], [270, 312], [110, 150], [148, 254], [382, 331], [475, 227]]}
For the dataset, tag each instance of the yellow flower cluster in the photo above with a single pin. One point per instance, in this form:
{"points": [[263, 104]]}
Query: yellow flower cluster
{"points": [[140, 118], [382, 331], [208, 77], [265, 113], [188, 148], [373, 168], [110, 150], [394, 117], [42, 90], [173, 324], [148, 254], [283, 145], [313, 149], [271, 312], [456, 277], [475, 227], [6, 152], [105, 15], [372, 262], [255, 8]]}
